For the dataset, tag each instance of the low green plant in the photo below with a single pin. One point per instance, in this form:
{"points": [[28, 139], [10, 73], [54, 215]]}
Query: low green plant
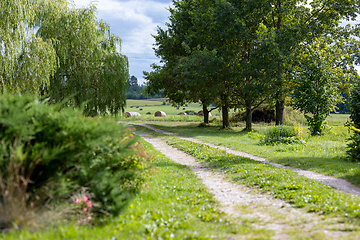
{"points": [[255, 135], [283, 134], [55, 152]]}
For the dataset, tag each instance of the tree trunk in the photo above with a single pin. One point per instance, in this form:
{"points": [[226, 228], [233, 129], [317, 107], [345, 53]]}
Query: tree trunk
{"points": [[225, 111], [248, 116], [280, 106], [206, 114]]}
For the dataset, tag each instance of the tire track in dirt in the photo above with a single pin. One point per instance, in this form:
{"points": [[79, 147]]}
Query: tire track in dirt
{"points": [[246, 206], [337, 183]]}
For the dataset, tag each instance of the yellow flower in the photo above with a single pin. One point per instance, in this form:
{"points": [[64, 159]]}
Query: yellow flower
{"points": [[355, 129]]}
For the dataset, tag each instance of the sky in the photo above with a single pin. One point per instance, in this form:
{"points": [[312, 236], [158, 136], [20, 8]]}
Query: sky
{"points": [[134, 21]]}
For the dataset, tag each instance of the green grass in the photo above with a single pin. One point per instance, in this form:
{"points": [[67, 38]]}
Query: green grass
{"points": [[174, 205], [153, 105], [157, 105], [281, 183], [323, 154]]}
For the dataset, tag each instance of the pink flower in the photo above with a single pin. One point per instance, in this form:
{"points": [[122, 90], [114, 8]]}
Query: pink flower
{"points": [[89, 204], [78, 200], [85, 209], [86, 198]]}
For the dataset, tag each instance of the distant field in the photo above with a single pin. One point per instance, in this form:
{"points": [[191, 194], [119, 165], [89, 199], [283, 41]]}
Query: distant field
{"points": [[338, 119], [156, 104], [153, 105]]}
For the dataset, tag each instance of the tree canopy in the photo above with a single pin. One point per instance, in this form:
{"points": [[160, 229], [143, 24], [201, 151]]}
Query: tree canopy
{"points": [[50, 47], [241, 53], [26, 61]]}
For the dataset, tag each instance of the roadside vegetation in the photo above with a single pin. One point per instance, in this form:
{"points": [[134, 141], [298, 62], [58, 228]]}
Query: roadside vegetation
{"points": [[282, 183], [172, 205]]}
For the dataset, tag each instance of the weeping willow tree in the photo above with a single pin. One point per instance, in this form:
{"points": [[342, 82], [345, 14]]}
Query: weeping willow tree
{"points": [[91, 70], [26, 61], [50, 47]]}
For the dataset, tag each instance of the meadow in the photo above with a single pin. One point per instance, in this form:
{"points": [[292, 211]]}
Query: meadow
{"points": [[323, 154], [173, 203]]}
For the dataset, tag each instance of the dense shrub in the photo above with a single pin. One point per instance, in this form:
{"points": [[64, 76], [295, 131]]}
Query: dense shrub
{"points": [[355, 106], [60, 151], [283, 134], [353, 148]]}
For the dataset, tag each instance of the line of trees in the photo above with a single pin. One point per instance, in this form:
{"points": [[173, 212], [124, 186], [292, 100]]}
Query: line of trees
{"points": [[136, 91], [49, 47], [253, 52]]}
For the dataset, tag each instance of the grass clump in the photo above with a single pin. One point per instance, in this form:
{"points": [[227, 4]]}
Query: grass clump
{"points": [[283, 135], [282, 183]]}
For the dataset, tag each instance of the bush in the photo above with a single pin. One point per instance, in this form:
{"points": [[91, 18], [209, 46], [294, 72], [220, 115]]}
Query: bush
{"points": [[54, 153], [355, 106], [353, 148], [283, 134]]}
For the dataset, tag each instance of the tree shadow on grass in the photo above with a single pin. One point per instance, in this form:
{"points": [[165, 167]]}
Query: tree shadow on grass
{"points": [[169, 164], [192, 130], [334, 166]]}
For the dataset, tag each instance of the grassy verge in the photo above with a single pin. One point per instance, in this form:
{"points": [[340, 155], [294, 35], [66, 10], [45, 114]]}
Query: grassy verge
{"points": [[174, 205], [323, 154], [281, 183]]}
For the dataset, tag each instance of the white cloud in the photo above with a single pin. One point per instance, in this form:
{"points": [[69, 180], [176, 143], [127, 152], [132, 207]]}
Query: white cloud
{"points": [[134, 21]]}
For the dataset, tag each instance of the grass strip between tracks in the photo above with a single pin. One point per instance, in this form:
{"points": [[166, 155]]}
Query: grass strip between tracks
{"points": [[281, 183]]}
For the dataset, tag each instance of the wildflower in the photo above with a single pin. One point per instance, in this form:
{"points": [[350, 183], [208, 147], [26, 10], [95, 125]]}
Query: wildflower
{"points": [[355, 129], [85, 209], [78, 200], [86, 198]]}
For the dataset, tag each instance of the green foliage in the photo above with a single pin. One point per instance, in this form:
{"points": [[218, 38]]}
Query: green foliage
{"points": [[243, 52], [353, 148], [90, 69], [192, 60], [282, 183], [136, 91], [68, 151], [174, 205], [283, 135], [21, 51], [318, 80], [77, 54], [355, 105]]}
